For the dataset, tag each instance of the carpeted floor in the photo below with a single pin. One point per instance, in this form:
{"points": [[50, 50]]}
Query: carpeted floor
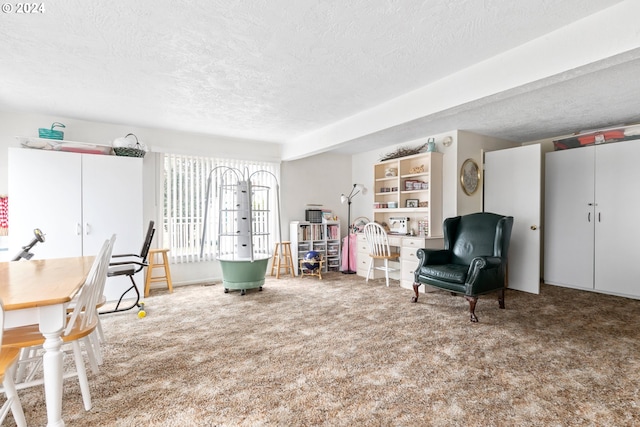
{"points": [[341, 352]]}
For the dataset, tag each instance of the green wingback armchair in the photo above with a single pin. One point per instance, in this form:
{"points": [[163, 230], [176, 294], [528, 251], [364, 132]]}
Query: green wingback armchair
{"points": [[473, 261]]}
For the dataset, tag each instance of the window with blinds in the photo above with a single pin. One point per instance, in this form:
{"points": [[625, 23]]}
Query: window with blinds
{"points": [[185, 184]]}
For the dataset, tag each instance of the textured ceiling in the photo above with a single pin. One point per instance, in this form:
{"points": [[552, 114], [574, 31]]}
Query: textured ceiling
{"points": [[275, 70]]}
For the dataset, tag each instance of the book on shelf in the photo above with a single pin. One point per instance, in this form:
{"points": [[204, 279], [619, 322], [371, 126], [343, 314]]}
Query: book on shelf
{"points": [[333, 232]]}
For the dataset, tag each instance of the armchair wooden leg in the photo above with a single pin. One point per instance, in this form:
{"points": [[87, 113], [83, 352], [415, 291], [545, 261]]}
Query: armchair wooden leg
{"points": [[472, 307], [501, 298], [415, 289]]}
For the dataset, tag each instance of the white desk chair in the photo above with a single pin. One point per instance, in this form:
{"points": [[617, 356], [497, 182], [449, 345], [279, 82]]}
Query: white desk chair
{"points": [[379, 249]]}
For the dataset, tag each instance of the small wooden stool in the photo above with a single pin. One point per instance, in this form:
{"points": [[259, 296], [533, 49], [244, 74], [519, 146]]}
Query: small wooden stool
{"points": [[282, 259], [315, 272], [153, 264]]}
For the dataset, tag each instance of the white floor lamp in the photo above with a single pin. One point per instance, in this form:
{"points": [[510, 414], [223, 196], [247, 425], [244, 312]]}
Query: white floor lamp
{"points": [[357, 188]]}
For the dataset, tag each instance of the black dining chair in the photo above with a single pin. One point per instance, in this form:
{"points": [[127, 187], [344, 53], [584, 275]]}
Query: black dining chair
{"points": [[129, 265]]}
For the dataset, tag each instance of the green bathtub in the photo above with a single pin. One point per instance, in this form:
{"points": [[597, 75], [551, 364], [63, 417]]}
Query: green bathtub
{"points": [[243, 274]]}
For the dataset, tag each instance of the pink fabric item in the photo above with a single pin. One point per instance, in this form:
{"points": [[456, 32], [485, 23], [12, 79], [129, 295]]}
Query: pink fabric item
{"points": [[353, 249]]}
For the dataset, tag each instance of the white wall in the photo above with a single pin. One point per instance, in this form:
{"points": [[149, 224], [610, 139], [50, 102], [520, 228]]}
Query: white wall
{"points": [[450, 184], [362, 166], [470, 146], [159, 140], [319, 179], [17, 124], [454, 201]]}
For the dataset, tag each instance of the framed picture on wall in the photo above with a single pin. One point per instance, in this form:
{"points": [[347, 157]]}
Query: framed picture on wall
{"points": [[412, 203], [469, 177]]}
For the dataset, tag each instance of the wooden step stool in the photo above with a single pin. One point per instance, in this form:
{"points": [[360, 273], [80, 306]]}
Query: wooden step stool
{"points": [[153, 264], [282, 259]]}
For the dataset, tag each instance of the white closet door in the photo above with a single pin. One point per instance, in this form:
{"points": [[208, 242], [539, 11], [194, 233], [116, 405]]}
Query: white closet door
{"points": [[44, 192], [617, 265], [112, 203], [569, 218], [512, 181], [112, 200]]}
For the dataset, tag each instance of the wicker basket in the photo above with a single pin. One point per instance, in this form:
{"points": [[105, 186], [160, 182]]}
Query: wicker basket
{"points": [[51, 133], [129, 152], [133, 150]]}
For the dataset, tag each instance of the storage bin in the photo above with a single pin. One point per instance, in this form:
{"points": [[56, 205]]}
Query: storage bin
{"points": [[603, 136], [51, 133], [313, 215]]}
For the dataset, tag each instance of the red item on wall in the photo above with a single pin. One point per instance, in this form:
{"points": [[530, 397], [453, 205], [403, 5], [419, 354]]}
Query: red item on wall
{"points": [[4, 215]]}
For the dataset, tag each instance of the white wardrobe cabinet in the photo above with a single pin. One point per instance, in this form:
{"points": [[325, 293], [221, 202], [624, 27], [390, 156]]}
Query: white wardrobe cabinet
{"points": [[78, 201], [591, 214]]}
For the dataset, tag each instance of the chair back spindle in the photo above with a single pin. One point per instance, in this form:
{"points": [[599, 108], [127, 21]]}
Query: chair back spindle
{"points": [[84, 310], [379, 249]]}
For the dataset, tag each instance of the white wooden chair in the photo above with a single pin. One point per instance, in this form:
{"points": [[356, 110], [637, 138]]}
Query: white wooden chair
{"points": [[81, 324], [8, 363], [379, 249], [96, 337]]}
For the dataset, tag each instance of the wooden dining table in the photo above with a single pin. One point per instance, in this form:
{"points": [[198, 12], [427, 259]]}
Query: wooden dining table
{"points": [[38, 292]]}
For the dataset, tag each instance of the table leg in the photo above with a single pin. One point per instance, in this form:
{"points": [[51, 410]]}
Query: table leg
{"points": [[52, 366], [52, 325]]}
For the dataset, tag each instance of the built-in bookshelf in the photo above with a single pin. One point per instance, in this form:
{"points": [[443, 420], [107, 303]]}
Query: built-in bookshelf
{"points": [[323, 238], [408, 191]]}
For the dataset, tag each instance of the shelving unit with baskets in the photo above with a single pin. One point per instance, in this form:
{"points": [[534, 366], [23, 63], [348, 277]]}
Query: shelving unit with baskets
{"points": [[323, 238]]}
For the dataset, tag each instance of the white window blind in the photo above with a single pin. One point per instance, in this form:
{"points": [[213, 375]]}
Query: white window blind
{"points": [[185, 183]]}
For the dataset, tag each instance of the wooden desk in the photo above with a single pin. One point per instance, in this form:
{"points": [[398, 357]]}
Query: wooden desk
{"points": [[39, 292], [408, 262]]}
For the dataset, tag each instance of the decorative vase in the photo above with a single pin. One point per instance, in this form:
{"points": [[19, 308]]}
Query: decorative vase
{"points": [[431, 145]]}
